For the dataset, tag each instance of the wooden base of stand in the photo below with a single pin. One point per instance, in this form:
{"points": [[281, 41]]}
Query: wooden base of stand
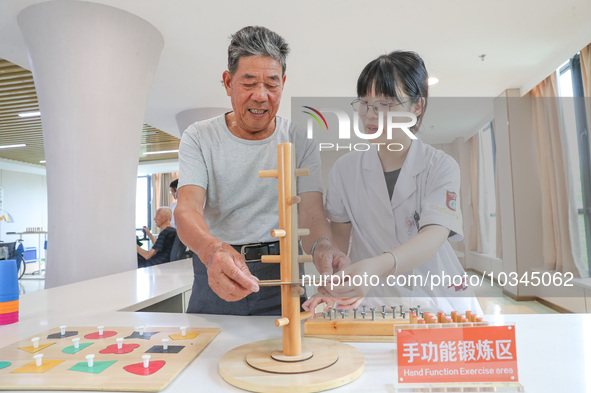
{"points": [[251, 367]]}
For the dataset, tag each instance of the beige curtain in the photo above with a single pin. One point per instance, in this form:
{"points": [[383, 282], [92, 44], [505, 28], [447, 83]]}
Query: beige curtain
{"points": [[559, 220], [161, 192], [481, 176], [475, 233], [586, 73], [499, 248]]}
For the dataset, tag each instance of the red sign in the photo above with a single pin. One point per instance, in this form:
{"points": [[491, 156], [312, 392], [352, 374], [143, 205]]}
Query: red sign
{"points": [[471, 354]]}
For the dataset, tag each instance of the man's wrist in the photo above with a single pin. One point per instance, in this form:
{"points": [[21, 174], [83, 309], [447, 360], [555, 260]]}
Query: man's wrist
{"points": [[207, 251], [325, 239]]}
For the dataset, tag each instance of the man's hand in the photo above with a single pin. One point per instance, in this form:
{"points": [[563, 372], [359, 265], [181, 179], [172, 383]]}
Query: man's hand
{"points": [[148, 233], [228, 275], [329, 259]]}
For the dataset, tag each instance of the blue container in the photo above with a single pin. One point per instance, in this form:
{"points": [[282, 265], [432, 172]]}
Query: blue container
{"points": [[30, 254], [8, 281]]}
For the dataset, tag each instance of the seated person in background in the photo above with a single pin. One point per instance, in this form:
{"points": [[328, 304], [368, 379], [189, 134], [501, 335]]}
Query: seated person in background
{"points": [[160, 252]]}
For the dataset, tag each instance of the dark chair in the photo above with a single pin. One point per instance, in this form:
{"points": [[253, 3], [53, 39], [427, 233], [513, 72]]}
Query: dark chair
{"points": [[178, 251], [16, 253]]}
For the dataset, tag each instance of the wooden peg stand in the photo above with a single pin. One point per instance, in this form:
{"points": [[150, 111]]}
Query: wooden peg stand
{"points": [[290, 365]]}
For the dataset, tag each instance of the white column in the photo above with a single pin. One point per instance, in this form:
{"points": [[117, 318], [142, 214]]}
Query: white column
{"points": [[93, 67]]}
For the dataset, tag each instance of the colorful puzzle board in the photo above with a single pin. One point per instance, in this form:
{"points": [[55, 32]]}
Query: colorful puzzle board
{"points": [[65, 367]]}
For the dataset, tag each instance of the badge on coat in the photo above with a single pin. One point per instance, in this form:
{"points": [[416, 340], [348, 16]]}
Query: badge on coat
{"points": [[409, 224], [451, 200]]}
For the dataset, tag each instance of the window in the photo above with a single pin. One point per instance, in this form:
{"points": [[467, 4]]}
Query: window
{"points": [[143, 203], [570, 86]]}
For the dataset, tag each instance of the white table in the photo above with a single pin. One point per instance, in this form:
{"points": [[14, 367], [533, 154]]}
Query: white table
{"points": [[553, 351]]}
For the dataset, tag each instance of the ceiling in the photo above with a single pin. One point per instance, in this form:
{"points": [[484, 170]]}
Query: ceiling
{"points": [[17, 95], [331, 40]]}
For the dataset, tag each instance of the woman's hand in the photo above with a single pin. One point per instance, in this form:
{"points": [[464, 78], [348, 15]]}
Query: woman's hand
{"points": [[356, 280], [349, 287], [323, 297]]}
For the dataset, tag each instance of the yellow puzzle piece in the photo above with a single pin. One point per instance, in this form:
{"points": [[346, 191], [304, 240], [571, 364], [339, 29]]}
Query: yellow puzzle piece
{"points": [[187, 336], [32, 349], [32, 367]]}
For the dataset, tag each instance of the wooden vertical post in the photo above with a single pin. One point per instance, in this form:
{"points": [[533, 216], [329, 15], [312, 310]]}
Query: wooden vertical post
{"points": [[290, 300]]}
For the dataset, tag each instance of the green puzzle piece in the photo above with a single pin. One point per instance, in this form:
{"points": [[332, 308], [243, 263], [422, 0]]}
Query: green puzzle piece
{"points": [[97, 368], [4, 365], [71, 350]]}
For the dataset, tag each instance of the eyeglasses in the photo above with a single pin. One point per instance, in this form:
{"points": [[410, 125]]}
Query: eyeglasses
{"points": [[380, 106]]}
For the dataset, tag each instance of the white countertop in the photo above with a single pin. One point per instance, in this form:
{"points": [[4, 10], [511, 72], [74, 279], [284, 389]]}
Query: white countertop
{"points": [[127, 291], [553, 351]]}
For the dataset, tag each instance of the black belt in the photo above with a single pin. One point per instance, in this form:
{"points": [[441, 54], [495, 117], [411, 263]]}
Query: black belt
{"points": [[253, 252]]}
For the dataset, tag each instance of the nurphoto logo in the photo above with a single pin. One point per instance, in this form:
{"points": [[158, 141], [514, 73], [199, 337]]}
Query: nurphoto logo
{"points": [[394, 120]]}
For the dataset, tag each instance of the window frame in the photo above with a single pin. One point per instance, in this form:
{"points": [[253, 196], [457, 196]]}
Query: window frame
{"points": [[583, 143]]}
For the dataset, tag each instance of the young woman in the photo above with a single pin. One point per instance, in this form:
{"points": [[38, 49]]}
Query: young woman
{"points": [[397, 204]]}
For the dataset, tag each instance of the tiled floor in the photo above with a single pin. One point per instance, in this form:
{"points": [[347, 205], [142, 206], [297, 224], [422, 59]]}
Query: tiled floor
{"points": [[493, 302], [28, 286], [31, 281]]}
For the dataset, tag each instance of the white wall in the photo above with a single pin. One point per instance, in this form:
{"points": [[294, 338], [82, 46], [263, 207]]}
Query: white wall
{"points": [[25, 198]]}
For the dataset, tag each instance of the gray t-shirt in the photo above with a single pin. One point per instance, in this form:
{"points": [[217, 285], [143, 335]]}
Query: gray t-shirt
{"points": [[240, 207]]}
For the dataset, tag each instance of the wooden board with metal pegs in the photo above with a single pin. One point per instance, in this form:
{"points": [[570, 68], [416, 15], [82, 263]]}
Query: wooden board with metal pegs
{"points": [[377, 324], [290, 364]]}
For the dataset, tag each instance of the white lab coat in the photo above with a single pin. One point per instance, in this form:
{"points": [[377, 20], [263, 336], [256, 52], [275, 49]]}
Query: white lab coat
{"points": [[428, 185]]}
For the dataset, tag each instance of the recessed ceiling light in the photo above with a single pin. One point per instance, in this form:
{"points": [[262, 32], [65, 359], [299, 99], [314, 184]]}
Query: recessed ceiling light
{"points": [[29, 114], [161, 152], [12, 146], [42, 162], [432, 80]]}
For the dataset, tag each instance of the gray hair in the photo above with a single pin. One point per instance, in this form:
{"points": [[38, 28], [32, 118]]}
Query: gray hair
{"points": [[256, 41], [167, 212]]}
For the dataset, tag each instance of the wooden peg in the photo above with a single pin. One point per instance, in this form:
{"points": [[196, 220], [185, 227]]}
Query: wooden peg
{"points": [[305, 258], [305, 315], [293, 200], [301, 172], [272, 283], [278, 233], [282, 322], [271, 258], [269, 173], [303, 232]]}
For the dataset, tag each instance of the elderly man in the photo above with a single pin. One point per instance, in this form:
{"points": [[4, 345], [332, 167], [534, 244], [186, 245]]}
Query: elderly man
{"points": [[225, 212], [160, 252]]}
